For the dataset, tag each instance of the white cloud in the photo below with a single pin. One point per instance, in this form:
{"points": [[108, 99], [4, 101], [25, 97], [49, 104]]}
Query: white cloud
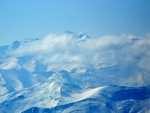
{"points": [[68, 52], [10, 63]]}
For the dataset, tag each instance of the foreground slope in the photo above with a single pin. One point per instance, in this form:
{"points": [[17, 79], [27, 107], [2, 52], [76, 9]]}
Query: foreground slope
{"points": [[57, 97], [118, 100]]}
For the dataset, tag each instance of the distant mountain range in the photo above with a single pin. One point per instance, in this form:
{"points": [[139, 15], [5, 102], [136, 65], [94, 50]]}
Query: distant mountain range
{"points": [[74, 73]]}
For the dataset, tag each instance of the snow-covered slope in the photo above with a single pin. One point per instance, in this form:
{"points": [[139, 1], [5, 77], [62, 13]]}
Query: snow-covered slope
{"points": [[45, 95], [55, 97], [112, 99], [71, 72]]}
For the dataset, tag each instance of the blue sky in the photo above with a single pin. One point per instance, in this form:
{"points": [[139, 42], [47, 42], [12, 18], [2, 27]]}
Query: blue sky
{"points": [[20, 19]]}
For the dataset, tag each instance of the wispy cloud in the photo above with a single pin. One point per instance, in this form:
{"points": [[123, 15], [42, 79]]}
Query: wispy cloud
{"points": [[10, 63]]}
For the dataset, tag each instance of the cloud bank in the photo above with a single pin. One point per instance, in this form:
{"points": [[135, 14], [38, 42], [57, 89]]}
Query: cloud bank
{"points": [[124, 56], [102, 51]]}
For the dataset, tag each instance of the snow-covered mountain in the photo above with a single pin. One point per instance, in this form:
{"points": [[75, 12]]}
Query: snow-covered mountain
{"points": [[51, 97], [71, 72], [104, 100]]}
